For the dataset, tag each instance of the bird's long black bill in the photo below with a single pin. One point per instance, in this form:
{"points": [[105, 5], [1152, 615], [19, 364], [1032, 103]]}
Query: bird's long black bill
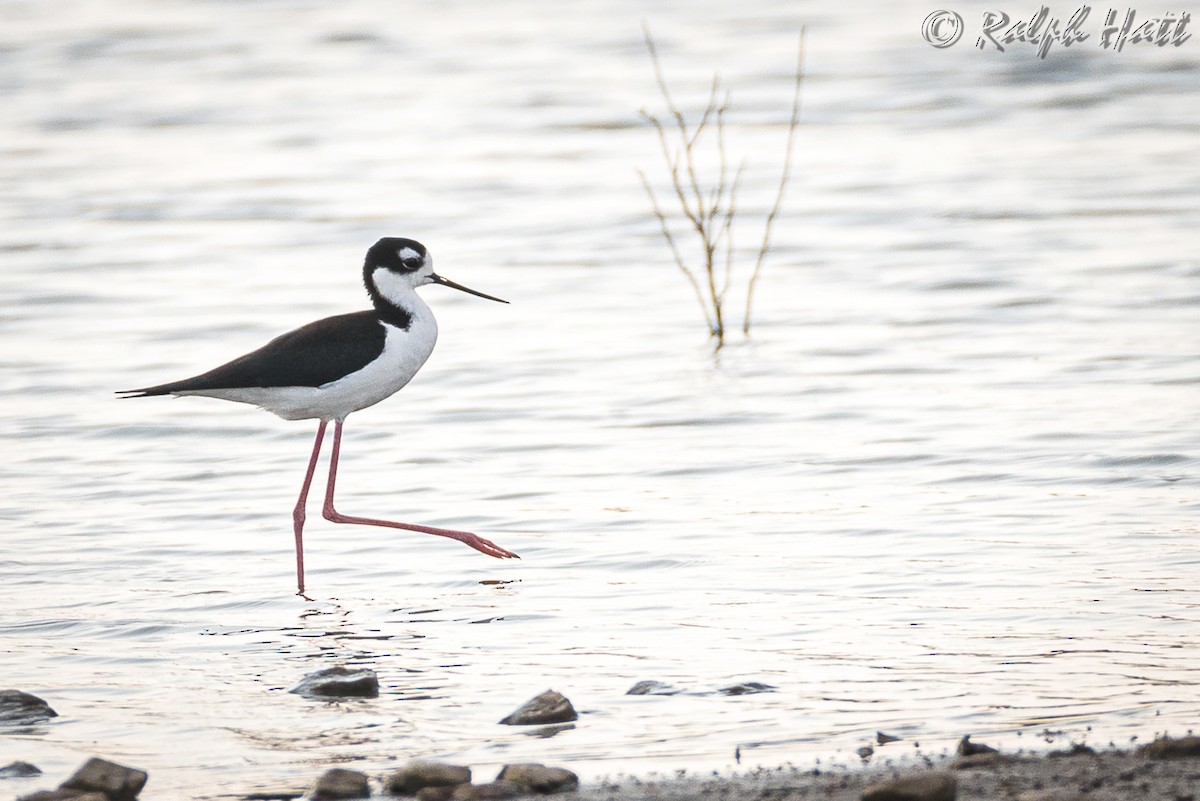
{"points": [[437, 279]]}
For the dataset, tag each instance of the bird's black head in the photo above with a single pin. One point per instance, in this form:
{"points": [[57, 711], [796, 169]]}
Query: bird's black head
{"points": [[396, 254], [395, 267]]}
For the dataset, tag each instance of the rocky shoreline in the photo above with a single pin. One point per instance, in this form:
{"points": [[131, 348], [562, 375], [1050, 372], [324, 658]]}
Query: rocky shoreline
{"points": [[1167, 768]]}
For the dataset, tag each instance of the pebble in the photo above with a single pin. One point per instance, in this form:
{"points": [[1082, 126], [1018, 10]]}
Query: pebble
{"points": [[549, 707], [117, 782], [339, 682], [339, 783], [967, 748], [934, 785], [883, 738], [747, 688], [536, 778], [19, 708], [418, 775], [650, 687], [19, 770]]}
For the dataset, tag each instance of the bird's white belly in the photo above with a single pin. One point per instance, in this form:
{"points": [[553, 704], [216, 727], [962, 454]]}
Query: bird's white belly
{"points": [[404, 351]]}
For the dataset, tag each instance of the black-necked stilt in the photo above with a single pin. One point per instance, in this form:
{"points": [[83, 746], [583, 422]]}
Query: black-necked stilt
{"points": [[328, 369]]}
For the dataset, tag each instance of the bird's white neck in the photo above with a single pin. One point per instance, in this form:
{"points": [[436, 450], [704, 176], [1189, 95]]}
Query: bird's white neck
{"points": [[396, 299]]}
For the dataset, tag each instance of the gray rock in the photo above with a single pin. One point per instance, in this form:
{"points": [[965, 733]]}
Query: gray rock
{"points": [[117, 782], [63, 795], [416, 776], [883, 738], [549, 707], [652, 688], [967, 748], [1171, 748], [19, 770], [535, 778], [22, 709], [339, 682], [339, 783], [747, 688], [933, 785], [444, 793], [1076, 750], [496, 791]]}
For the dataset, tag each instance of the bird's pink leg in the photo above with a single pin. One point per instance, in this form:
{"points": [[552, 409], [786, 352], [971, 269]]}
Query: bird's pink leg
{"points": [[298, 512], [478, 543]]}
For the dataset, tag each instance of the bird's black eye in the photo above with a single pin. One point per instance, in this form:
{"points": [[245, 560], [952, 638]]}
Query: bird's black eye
{"points": [[409, 260]]}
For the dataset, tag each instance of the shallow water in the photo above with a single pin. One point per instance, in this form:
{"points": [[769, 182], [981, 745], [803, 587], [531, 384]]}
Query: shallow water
{"points": [[948, 486]]}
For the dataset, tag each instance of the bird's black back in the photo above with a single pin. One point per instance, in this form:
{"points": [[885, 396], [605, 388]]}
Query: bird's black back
{"points": [[310, 356]]}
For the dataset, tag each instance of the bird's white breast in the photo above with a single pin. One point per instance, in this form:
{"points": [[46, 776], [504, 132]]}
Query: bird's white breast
{"points": [[404, 351]]}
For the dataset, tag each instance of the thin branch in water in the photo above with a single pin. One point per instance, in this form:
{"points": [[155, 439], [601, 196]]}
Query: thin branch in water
{"points": [[727, 224], [710, 207], [783, 182], [667, 235], [672, 160]]}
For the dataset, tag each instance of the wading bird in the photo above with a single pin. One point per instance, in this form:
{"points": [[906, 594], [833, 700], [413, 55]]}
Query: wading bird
{"points": [[328, 369]]}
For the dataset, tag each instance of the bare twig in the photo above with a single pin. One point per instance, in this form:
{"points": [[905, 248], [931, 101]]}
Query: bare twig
{"points": [[783, 182], [666, 232], [710, 210]]}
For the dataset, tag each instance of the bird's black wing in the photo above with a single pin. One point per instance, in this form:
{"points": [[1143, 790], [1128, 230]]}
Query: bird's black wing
{"points": [[310, 356]]}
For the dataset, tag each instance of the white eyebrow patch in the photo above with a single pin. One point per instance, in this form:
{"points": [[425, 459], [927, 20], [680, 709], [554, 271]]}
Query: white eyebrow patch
{"points": [[407, 253]]}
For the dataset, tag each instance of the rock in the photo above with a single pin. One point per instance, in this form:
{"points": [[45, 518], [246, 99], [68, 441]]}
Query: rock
{"points": [[549, 707], [535, 778], [19, 770], [485, 792], [444, 793], [63, 795], [1171, 748], [883, 739], [968, 748], [934, 785], [22, 709], [865, 752], [418, 775], [1076, 749], [117, 782], [652, 688], [337, 783], [747, 688], [339, 682]]}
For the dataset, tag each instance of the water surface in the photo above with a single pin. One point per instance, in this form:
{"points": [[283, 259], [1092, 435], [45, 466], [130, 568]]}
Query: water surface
{"points": [[948, 486]]}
